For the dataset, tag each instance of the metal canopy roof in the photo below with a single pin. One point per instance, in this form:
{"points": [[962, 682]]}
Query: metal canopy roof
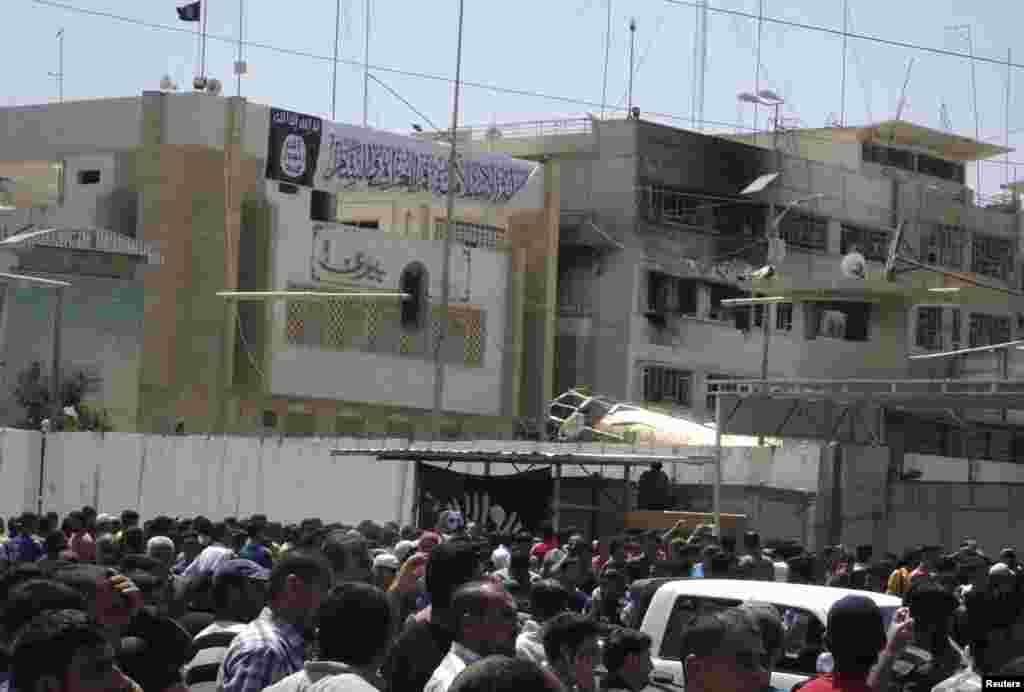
{"points": [[849, 411], [534, 458], [83, 238]]}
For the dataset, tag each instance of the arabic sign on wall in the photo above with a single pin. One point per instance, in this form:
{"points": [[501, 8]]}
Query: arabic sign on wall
{"points": [[343, 256], [293, 147], [354, 158]]}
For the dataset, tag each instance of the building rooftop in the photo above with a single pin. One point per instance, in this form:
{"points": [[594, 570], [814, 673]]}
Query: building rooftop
{"points": [[945, 145]]}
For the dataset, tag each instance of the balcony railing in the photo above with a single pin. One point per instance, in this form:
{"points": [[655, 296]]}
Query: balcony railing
{"points": [[531, 129]]}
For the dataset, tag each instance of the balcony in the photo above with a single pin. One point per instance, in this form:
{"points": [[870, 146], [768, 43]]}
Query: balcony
{"points": [[529, 139]]}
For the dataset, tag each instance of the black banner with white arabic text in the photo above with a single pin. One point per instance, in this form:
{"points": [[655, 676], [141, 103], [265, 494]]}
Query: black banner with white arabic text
{"points": [[504, 504], [293, 147]]}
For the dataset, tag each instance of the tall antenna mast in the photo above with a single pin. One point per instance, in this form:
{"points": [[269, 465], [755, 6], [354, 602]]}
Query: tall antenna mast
{"points": [[366, 69], [607, 55], [632, 45], [334, 74], [59, 74], [702, 65]]}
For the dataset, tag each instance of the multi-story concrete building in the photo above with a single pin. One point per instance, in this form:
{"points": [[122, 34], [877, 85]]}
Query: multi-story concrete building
{"points": [[238, 196], [655, 233]]}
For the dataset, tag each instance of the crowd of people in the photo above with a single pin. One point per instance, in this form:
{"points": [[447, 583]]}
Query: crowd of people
{"points": [[94, 602]]}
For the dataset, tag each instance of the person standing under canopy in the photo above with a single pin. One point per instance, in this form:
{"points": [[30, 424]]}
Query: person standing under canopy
{"points": [[655, 489]]}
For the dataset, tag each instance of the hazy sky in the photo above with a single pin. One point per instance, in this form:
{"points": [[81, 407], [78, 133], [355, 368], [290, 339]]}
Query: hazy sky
{"points": [[554, 47]]}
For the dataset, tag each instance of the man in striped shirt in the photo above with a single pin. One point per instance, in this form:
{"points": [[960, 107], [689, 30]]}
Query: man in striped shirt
{"points": [[272, 647], [239, 594]]}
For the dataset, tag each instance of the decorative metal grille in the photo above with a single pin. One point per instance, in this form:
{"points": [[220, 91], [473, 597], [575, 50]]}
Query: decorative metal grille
{"points": [[992, 256], [472, 234], [371, 326]]}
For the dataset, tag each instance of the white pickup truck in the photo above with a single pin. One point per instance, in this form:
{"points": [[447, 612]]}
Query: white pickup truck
{"points": [[676, 604]]}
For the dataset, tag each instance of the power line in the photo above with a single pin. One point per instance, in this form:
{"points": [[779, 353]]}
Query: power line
{"points": [[841, 33], [357, 63]]}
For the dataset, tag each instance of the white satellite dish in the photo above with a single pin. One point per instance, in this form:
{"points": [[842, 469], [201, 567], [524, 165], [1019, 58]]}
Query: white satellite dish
{"points": [[214, 87], [854, 266], [168, 84]]}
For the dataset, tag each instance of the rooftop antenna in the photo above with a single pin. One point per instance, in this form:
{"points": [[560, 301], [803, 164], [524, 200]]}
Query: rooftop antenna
{"points": [[947, 125], [700, 64], [632, 46], [607, 55], [59, 74]]}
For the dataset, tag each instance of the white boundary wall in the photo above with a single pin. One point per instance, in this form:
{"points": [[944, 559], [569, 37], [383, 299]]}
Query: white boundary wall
{"points": [[293, 478]]}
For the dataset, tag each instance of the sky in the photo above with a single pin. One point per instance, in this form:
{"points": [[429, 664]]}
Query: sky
{"points": [[547, 47]]}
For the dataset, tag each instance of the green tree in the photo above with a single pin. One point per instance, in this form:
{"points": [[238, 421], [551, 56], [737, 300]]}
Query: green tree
{"points": [[33, 393]]}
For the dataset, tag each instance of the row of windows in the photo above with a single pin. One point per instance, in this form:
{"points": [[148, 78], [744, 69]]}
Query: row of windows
{"points": [[938, 438], [914, 162], [673, 387], [938, 328]]}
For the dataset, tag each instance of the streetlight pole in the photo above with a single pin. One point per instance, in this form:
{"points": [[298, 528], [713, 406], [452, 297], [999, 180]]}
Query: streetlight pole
{"points": [[59, 74], [449, 237], [366, 68], [632, 45]]}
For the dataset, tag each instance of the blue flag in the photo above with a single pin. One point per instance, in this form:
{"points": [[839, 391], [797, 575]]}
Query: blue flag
{"points": [[191, 12]]}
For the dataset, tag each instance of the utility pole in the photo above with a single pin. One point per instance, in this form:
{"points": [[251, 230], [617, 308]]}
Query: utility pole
{"points": [[334, 74], [632, 46], [446, 267]]}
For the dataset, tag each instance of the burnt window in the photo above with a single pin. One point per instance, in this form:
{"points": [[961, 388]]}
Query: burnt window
{"points": [[937, 168], [943, 245], [928, 333], [806, 231], [988, 329], [660, 293], [849, 321], [873, 243], [666, 385], [992, 256], [688, 291], [784, 317]]}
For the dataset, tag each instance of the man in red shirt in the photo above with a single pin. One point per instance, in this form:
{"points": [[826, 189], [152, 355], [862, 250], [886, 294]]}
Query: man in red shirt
{"points": [[930, 555], [855, 637], [549, 542]]}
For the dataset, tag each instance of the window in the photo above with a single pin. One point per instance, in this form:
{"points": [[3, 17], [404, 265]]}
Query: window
{"points": [[688, 289], [839, 320], [685, 612], [873, 244], [806, 231], [709, 397], [413, 281], [679, 208], [937, 168], [943, 245], [90, 177], [757, 315], [784, 317], [988, 329], [928, 334], [471, 234], [666, 385], [992, 256], [659, 293]]}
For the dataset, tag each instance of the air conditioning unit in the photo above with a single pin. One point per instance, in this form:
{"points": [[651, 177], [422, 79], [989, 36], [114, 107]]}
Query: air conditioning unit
{"points": [[833, 324]]}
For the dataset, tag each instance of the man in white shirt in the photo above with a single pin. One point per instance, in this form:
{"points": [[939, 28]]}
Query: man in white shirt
{"points": [[485, 620], [213, 554]]}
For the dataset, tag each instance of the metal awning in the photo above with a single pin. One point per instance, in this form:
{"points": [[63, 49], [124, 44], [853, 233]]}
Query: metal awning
{"points": [[849, 411], [527, 458], [84, 238]]}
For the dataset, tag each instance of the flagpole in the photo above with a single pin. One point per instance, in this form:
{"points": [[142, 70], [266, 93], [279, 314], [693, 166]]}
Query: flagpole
{"points": [[202, 58]]}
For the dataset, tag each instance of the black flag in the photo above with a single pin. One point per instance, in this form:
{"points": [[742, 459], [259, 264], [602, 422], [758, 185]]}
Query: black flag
{"points": [[505, 504], [191, 12]]}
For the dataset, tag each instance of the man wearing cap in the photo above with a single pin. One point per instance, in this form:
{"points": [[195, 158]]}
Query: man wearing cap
{"points": [[855, 636], [239, 594], [385, 569]]}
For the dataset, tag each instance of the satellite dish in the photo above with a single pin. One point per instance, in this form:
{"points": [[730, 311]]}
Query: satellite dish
{"points": [[199, 83], [776, 250], [167, 84], [214, 87], [854, 266]]}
